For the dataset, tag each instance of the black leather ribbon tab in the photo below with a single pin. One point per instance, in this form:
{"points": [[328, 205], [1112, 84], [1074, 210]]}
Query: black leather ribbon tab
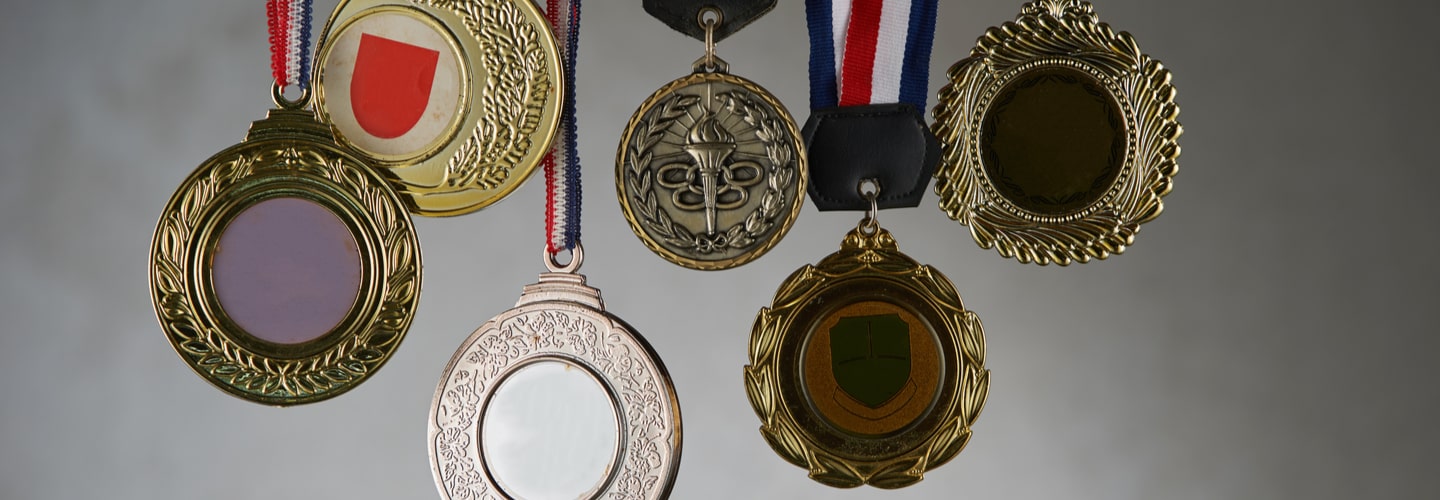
{"points": [[889, 143], [683, 15]]}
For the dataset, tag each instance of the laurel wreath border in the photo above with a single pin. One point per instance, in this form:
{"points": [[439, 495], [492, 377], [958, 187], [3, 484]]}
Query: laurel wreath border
{"points": [[872, 256], [1058, 30], [196, 332], [636, 190]]}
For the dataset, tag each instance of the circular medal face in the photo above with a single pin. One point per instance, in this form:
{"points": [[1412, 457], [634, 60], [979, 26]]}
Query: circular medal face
{"points": [[1056, 151], [458, 101], [711, 172], [284, 271], [867, 369], [555, 399]]}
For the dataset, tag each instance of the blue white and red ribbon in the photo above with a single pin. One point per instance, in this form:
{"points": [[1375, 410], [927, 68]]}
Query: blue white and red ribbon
{"points": [[289, 22], [562, 165], [869, 51]]}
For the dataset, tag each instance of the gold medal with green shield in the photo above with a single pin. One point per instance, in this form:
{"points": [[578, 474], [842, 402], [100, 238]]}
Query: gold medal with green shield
{"points": [[867, 368]]}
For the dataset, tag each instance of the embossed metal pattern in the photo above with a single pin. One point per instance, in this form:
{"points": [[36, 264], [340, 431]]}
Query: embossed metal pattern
{"points": [[869, 268], [559, 317], [510, 100], [1059, 36], [711, 171], [288, 154]]}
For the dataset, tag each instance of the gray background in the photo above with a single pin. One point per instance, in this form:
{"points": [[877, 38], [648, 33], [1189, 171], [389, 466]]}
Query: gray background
{"points": [[1269, 337]]}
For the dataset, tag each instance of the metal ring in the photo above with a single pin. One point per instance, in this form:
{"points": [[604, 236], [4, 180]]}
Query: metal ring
{"points": [[871, 223], [577, 256], [710, 25], [277, 92]]}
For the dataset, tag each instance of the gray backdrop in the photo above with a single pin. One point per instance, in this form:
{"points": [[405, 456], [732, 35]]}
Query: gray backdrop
{"points": [[1269, 337]]}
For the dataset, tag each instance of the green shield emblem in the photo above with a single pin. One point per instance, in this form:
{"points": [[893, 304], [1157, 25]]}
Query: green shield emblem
{"points": [[870, 356]]}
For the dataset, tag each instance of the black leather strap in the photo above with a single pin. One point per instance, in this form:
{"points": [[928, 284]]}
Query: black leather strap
{"points": [[886, 142], [683, 15]]}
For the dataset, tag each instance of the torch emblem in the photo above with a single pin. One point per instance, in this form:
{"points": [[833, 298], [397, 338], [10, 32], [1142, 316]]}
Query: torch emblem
{"points": [[711, 181]]}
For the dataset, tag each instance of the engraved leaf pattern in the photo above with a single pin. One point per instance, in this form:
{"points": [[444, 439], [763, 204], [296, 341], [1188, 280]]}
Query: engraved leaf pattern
{"points": [[194, 329], [648, 412], [780, 172], [517, 87], [869, 254], [1071, 29]]}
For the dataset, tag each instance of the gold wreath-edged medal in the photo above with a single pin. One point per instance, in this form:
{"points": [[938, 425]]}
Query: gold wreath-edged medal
{"points": [[1059, 137], [284, 270], [555, 398], [867, 369], [457, 100], [711, 170]]}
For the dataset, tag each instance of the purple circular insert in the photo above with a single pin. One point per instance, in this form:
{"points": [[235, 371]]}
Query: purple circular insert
{"points": [[287, 270]]}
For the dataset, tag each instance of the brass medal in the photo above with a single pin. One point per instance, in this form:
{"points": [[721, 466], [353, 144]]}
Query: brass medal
{"points": [[284, 270], [477, 435], [867, 368], [457, 100], [1059, 137], [711, 170]]}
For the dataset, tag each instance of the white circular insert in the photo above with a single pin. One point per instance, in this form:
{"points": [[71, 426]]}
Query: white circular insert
{"points": [[550, 431]]}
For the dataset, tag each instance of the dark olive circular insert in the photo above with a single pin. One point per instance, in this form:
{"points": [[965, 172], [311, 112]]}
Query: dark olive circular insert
{"points": [[1053, 140]]}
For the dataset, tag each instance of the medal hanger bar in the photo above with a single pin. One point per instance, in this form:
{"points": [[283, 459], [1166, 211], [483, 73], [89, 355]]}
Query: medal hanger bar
{"points": [[680, 15]]}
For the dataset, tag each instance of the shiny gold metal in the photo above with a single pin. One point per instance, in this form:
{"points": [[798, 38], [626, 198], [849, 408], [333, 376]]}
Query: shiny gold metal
{"points": [[510, 90], [867, 368], [1059, 137], [711, 170], [558, 318], [288, 154]]}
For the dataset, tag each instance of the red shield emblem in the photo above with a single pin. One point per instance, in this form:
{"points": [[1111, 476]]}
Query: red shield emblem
{"points": [[391, 85]]}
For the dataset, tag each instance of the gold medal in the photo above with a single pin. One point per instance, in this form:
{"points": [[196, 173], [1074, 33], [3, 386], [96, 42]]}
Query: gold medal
{"points": [[711, 170], [867, 368], [555, 398], [284, 270], [1059, 137], [457, 100]]}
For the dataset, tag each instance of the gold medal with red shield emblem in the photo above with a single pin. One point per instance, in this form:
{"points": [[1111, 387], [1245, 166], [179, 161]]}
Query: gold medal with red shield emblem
{"points": [[457, 100]]}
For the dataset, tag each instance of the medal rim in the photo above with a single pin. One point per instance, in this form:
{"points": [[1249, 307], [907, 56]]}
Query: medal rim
{"points": [[773, 377], [627, 449], [1068, 34], [796, 143], [464, 142], [238, 363]]}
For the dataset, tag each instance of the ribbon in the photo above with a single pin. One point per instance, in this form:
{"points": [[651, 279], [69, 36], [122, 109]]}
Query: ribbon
{"points": [[562, 164], [289, 22], [869, 51]]}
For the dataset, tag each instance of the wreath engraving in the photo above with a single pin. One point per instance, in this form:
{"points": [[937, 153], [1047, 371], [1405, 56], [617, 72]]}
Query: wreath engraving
{"points": [[194, 330], [1068, 33], [516, 90], [641, 175]]}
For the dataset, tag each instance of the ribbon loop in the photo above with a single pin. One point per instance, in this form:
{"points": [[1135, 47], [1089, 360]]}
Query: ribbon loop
{"points": [[289, 22], [562, 165]]}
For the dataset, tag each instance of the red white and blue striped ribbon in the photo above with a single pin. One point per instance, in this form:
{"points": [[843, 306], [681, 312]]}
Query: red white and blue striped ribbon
{"points": [[562, 165], [869, 51], [289, 22]]}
